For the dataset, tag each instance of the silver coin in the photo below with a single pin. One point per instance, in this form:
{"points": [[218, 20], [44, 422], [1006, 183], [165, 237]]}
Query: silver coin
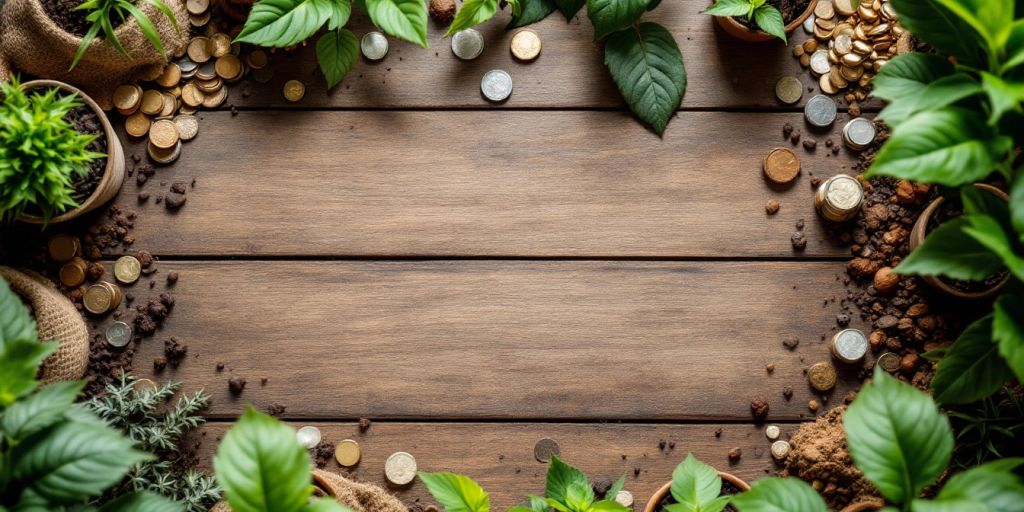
{"points": [[496, 85], [859, 133], [849, 345], [187, 65], [119, 334], [308, 436], [374, 46], [819, 62], [772, 432], [820, 110], [809, 24], [780, 449], [467, 44], [400, 468], [844, 193], [624, 498]]}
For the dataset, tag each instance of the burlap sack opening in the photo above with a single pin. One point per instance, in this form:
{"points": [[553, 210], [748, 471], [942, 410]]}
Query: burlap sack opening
{"points": [[32, 43], [356, 496], [56, 320]]}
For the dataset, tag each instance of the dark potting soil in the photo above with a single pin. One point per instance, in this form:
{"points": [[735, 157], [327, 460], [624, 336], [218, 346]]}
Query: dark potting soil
{"points": [[728, 489], [63, 13], [790, 9], [86, 121]]}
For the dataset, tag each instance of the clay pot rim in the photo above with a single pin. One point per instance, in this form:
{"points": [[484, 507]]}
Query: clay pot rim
{"points": [[735, 28], [108, 170], [920, 231], [865, 506], [661, 493]]}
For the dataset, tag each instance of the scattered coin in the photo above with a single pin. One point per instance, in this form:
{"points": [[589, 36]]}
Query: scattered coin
{"points": [[63, 247], [294, 90], [839, 198], [496, 85], [200, 20], [809, 24], [822, 376], [545, 448], [400, 468], [216, 99], [257, 59], [228, 67], [221, 44], [772, 432], [170, 77], [137, 124], [789, 89], [164, 156], [127, 269], [624, 498], [98, 299], [152, 102], [780, 449], [820, 111], [468, 44], [118, 334], [308, 436], [849, 345], [374, 46], [526, 45], [144, 386], [163, 134], [781, 165], [348, 453], [127, 97], [200, 49], [819, 62], [188, 126], [197, 7], [72, 273], [859, 133], [889, 362]]}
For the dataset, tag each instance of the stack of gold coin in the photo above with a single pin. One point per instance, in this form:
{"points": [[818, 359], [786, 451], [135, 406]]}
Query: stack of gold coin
{"points": [[63, 247], [859, 38], [102, 298], [72, 273]]}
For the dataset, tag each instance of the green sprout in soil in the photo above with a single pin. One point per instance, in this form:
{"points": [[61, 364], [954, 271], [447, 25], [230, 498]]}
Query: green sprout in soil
{"points": [[107, 15], [41, 152], [765, 16]]}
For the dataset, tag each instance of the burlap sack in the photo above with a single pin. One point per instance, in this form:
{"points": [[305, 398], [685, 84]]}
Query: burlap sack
{"points": [[31, 43], [56, 320], [356, 496]]}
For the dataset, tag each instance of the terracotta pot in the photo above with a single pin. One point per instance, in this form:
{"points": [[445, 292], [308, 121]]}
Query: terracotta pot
{"points": [[113, 175], [652, 504], [865, 506], [743, 33], [920, 231]]}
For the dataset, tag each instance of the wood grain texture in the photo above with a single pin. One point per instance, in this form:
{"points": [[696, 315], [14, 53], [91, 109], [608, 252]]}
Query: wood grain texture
{"points": [[570, 72], [511, 340], [500, 456], [537, 184]]}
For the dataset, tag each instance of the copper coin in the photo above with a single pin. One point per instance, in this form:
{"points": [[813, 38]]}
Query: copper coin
{"points": [[221, 44], [127, 97], [200, 49], [257, 59], [545, 448], [163, 134], [822, 376], [72, 273], [170, 77], [137, 124], [164, 156], [197, 7], [152, 102], [192, 95], [889, 362], [294, 90], [98, 299], [781, 165], [170, 103], [63, 247], [216, 99], [228, 67]]}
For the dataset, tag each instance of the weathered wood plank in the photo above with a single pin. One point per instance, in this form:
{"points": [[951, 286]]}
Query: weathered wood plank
{"points": [[570, 73], [478, 339], [539, 184], [500, 456]]}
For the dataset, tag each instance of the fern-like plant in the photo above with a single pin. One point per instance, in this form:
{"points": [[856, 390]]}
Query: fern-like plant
{"points": [[102, 14], [41, 151]]}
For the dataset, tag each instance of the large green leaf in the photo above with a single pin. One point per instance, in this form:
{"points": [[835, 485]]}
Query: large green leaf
{"points": [[949, 251], [569, 8], [262, 467], [990, 19], [532, 12], [19, 363], [456, 493], [341, 10], [142, 502], [779, 495], [993, 484], [695, 483], [949, 146], [283, 23], [39, 410], [897, 437], [906, 76], [73, 460], [939, 27], [610, 16], [471, 14], [337, 51], [404, 19], [729, 8], [561, 477], [1015, 45], [1008, 331], [647, 66], [992, 234], [1004, 96], [1017, 204], [954, 505], [942, 92], [972, 368], [769, 20], [15, 321]]}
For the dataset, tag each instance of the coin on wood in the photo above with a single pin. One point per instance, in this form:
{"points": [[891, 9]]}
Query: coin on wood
{"points": [[526, 45], [163, 134], [400, 468], [822, 376], [98, 299], [294, 90], [781, 165], [63, 247], [188, 126], [127, 269], [348, 453], [544, 448]]}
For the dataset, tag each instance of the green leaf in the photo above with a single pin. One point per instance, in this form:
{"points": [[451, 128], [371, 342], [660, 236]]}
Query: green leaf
{"points": [[897, 437], [404, 19], [1014, 46], [262, 467], [142, 502], [456, 493], [569, 8], [942, 92], [1008, 331], [694, 483], [325, 505], [992, 484], [341, 11], [39, 410], [648, 69], [15, 321], [561, 477], [989, 18], [283, 23], [779, 495], [949, 146], [471, 14], [1004, 96], [949, 251], [990, 233], [337, 51], [73, 460], [532, 12], [19, 364], [940, 28], [609, 506], [609, 16], [906, 76], [729, 8], [959, 505], [972, 369], [613, 491], [769, 19], [1017, 204]]}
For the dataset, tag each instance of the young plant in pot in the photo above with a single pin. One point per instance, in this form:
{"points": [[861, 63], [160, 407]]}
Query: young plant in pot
{"points": [[957, 119], [696, 487], [59, 156], [760, 20]]}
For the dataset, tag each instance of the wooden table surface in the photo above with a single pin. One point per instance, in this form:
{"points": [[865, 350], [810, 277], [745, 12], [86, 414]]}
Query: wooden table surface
{"points": [[474, 277]]}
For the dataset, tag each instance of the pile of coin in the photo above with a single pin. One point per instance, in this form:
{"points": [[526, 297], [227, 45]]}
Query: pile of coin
{"points": [[852, 41], [102, 298]]}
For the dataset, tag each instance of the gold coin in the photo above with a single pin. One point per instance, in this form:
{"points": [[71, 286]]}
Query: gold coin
{"points": [[209, 86], [835, 76], [188, 109], [127, 269], [137, 124], [257, 59], [152, 72], [221, 44], [188, 126], [98, 299], [63, 247], [163, 134], [197, 7], [170, 103], [845, 7], [781, 165], [200, 49], [206, 71], [526, 45], [822, 376], [347, 453], [824, 9], [152, 102], [163, 156], [127, 97], [170, 77], [115, 294], [200, 20], [72, 273], [228, 67], [294, 90], [826, 85], [216, 99], [191, 95], [889, 362]]}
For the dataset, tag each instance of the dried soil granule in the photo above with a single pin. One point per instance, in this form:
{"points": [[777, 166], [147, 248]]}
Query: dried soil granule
{"points": [[236, 385], [442, 11], [759, 408], [772, 206]]}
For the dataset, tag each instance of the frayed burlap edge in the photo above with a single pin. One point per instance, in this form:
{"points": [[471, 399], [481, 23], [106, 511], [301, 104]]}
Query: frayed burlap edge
{"points": [[356, 496]]}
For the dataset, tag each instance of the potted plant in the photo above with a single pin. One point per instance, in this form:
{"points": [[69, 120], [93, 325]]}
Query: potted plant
{"points": [[59, 156], [696, 487], [758, 21]]}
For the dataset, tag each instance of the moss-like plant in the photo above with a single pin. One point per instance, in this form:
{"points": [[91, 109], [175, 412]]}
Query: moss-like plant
{"points": [[102, 14], [41, 151]]}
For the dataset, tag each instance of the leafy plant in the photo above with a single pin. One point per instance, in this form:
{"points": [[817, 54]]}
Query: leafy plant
{"points": [[283, 23], [764, 15], [643, 58], [55, 455], [263, 468], [988, 429], [140, 415], [956, 121], [103, 14], [696, 487], [41, 152]]}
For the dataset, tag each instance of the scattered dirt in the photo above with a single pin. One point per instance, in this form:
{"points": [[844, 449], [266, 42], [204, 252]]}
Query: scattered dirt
{"points": [[322, 454], [772, 206], [735, 455], [759, 408], [442, 11], [236, 385], [364, 424]]}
